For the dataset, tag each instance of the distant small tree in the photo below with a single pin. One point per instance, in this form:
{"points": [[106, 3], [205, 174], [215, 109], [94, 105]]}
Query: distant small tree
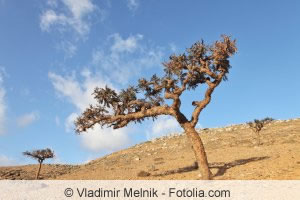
{"points": [[257, 126], [40, 156], [201, 64]]}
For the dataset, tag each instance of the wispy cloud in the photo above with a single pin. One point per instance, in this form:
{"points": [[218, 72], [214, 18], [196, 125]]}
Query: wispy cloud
{"points": [[27, 119], [69, 48], [129, 44], [162, 126], [52, 3], [173, 47], [72, 19], [6, 161], [69, 124], [106, 139], [2, 101], [79, 94], [133, 4], [124, 58], [75, 17], [113, 65]]}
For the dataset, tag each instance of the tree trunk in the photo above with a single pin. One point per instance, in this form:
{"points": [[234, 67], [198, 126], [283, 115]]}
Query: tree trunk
{"points": [[258, 138], [38, 172], [199, 151]]}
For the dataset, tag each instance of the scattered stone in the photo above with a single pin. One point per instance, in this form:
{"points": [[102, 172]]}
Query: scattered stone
{"points": [[137, 159], [143, 174], [153, 168]]}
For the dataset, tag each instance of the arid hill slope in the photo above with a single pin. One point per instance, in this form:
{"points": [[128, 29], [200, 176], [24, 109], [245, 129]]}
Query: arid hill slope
{"points": [[233, 153]]}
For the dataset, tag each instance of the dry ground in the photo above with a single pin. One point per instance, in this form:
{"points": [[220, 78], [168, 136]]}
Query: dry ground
{"points": [[233, 153]]}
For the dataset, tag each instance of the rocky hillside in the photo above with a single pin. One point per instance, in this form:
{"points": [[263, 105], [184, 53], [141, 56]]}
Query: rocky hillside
{"points": [[233, 153], [28, 172]]}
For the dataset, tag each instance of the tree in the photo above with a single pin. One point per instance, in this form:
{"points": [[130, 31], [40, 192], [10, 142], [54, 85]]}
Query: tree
{"points": [[201, 64], [257, 126], [40, 156]]}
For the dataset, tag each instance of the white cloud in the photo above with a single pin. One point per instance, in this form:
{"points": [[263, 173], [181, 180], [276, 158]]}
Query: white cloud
{"points": [[52, 3], [112, 65], [75, 18], [198, 126], [126, 57], [133, 4], [80, 95], [71, 18], [125, 45], [173, 47], [27, 119], [164, 125], [69, 48], [49, 17], [77, 93], [79, 8], [69, 125], [6, 161], [106, 139], [57, 159], [2, 109], [2, 101]]}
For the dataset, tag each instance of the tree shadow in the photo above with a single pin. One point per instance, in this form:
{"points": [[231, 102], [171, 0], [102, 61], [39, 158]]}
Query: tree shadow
{"points": [[222, 167], [179, 170]]}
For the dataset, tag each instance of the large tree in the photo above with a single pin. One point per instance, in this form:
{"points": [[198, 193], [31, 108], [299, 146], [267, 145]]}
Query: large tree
{"points": [[201, 64]]}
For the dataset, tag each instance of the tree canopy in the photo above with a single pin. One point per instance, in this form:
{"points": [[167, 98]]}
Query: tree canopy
{"points": [[200, 64], [257, 125], [40, 155]]}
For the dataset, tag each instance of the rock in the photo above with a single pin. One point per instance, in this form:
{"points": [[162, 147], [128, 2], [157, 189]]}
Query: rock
{"points": [[143, 174], [137, 159], [153, 168], [228, 129]]}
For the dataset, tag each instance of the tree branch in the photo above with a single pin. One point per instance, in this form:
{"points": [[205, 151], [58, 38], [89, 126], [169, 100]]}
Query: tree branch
{"points": [[201, 64], [118, 121], [200, 105]]}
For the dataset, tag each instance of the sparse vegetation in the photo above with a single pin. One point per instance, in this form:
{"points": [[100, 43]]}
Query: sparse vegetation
{"points": [[257, 126], [40, 156], [201, 64], [276, 159]]}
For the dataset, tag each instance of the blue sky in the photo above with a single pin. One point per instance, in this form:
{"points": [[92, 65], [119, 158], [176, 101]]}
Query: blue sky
{"points": [[54, 52]]}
